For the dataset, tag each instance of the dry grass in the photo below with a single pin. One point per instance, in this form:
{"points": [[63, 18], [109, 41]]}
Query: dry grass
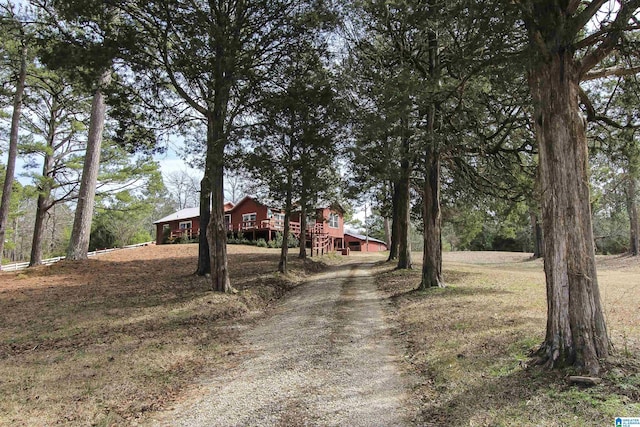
{"points": [[469, 344], [105, 341]]}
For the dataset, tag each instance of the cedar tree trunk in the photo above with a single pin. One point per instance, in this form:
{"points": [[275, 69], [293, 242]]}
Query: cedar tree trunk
{"points": [[576, 332], [204, 261], [432, 216], [395, 224], [536, 229], [404, 210], [432, 253], [632, 209], [216, 231], [7, 188], [386, 224], [303, 230], [79, 244], [284, 252]]}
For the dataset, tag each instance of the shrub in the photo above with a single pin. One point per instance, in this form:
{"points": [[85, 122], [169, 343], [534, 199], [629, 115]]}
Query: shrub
{"points": [[261, 243]]}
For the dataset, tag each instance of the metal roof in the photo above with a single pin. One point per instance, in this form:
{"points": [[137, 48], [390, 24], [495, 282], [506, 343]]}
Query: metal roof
{"points": [[181, 214], [364, 238]]}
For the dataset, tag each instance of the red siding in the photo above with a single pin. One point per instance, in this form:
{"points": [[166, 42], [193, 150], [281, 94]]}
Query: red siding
{"points": [[247, 206], [356, 244], [174, 226], [323, 217]]}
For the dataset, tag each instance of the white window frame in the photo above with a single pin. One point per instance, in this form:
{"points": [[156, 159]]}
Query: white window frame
{"points": [[227, 218], [334, 218], [189, 223], [250, 217]]}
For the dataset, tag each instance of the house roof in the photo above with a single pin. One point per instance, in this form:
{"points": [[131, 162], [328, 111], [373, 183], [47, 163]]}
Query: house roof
{"points": [[258, 200], [181, 214], [363, 238], [190, 213]]}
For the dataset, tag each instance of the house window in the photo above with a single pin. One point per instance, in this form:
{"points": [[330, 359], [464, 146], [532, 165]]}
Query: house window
{"points": [[227, 219], [249, 217], [185, 225], [333, 220], [279, 217]]}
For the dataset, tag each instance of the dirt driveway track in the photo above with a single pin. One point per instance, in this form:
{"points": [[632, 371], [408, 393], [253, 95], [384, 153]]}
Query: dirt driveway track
{"points": [[324, 357]]}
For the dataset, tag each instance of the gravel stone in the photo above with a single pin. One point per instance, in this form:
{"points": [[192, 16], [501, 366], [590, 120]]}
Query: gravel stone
{"points": [[325, 357]]}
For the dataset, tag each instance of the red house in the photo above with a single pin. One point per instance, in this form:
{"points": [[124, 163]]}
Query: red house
{"points": [[183, 223], [254, 219], [360, 243]]}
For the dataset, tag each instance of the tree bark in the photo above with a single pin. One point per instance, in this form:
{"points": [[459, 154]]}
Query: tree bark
{"points": [[80, 234], [395, 223], [387, 231], [576, 333], [303, 229], [10, 172], [536, 230], [216, 232], [404, 209], [432, 252], [632, 209], [284, 252], [432, 216], [38, 231], [204, 260], [44, 193]]}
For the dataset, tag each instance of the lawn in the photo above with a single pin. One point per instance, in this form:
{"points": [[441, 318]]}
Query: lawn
{"points": [[105, 341], [110, 340], [467, 345]]}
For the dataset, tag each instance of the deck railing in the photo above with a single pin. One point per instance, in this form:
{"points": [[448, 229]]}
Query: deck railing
{"points": [[189, 233], [277, 225]]}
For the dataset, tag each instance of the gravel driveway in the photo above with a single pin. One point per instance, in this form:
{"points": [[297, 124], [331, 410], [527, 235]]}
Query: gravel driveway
{"points": [[323, 358]]}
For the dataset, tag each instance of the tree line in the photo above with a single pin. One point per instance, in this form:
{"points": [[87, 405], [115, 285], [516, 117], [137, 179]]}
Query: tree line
{"points": [[436, 110]]}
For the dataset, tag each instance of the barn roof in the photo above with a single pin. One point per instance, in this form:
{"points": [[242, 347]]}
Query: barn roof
{"points": [[181, 214], [362, 237]]}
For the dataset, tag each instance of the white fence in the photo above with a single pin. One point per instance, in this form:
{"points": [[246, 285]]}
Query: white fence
{"points": [[22, 265]]}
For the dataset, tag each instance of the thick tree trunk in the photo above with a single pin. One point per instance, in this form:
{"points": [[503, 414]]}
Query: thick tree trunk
{"points": [[404, 210], [38, 231], [432, 253], [576, 333], [536, 230], [284, 251], [10, 172], [44, 203], [216, 232], [632, 209], [395, 223], [303, 230], [79, 244], [204, 260], [386, 224], [432, 216]]}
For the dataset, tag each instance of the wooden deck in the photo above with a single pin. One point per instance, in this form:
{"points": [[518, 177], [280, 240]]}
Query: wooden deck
{"points": [[266, 225], [277, 225]]}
